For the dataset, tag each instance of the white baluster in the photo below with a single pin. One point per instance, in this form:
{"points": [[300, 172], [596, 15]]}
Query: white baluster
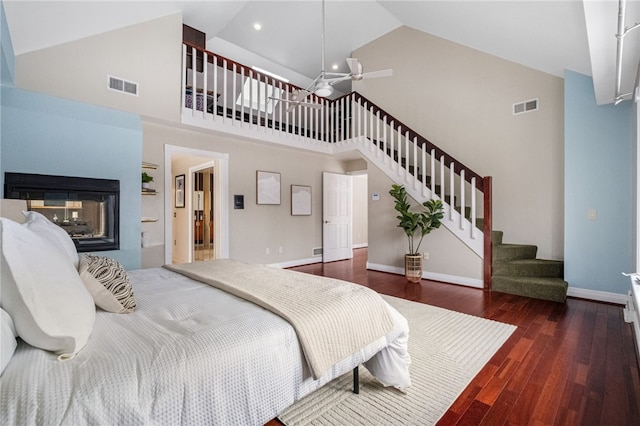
{"points": [[234, 88], [194, 82], [462, 200], [385, 143], [407, 140], [424, 169], [184, 77], [473, 208], [224, 84], [215, 88], [377, 142], [433, 172], [452, 190], [415, 161], [442, 185]]}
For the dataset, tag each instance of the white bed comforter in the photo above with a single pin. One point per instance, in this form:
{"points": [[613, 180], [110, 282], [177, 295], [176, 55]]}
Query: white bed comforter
{"points": [[190, 355]]}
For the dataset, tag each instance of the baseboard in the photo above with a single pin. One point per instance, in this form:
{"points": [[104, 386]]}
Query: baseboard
{"points": [[599, 296], [299, 262], [450, 279], [362, 245]]}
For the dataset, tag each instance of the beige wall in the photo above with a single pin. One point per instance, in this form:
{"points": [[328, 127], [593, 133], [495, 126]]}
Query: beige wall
{"points": [[148, 54], [256, 227], [461, 100], [388, 243]]}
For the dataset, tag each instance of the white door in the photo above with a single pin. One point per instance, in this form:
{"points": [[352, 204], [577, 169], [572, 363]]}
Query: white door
{"points": [[337, 217]]}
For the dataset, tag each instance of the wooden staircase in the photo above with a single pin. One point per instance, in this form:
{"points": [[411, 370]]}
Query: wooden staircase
{"points": [[517, 270], [354, 123]]}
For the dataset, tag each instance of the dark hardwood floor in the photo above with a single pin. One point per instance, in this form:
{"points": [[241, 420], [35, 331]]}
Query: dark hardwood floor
{"points": [[566, 364]]}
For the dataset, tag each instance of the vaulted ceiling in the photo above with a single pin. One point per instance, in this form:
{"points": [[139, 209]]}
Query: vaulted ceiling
{"points": [[549, 36]]}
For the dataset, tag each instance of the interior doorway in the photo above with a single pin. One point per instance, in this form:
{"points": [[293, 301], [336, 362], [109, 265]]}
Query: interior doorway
{"points": [[203, 214], [182, 165]]}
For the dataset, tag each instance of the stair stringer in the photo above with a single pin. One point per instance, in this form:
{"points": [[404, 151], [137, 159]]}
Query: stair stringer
{"points": [[459, 226]]}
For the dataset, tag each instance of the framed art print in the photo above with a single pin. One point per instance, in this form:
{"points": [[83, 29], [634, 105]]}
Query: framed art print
{"points": [[267, 187], [300, 200], [179, 191]]}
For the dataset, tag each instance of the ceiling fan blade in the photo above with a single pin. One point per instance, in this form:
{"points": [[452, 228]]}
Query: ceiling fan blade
{"points": [[310, 105], [355, 67], [333, 81], [299, 95], [377, 74]]}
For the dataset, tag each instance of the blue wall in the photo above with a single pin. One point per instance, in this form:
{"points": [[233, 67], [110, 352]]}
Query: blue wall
{"points": [[7, 57], [47, 135], [598, 175]]}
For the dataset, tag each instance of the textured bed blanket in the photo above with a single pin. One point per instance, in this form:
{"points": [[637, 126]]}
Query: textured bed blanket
{"points": [[332, 318]]}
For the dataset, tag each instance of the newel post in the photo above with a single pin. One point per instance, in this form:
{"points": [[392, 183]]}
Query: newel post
{"points": [[488, 252]]}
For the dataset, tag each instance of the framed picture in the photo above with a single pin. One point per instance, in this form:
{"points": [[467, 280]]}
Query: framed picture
{"points": [[267, 187], [180, 191], [300, 200]]}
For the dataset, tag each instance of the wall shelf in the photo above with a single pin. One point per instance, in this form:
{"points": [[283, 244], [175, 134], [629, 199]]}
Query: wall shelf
{"points": [[151, 166]]}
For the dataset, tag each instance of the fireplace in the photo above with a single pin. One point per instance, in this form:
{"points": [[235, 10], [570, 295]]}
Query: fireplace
{"points": [[86, 208]]}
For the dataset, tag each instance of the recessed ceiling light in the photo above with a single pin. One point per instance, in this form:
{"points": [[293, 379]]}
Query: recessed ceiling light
{"points": [[334, 66], [257, 26]]}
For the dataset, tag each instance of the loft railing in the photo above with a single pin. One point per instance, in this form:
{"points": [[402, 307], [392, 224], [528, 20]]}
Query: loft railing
{"points": [[220, 93]]}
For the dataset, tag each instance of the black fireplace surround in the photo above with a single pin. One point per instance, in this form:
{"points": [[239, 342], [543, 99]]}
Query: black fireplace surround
{"points": [[87, 209]]}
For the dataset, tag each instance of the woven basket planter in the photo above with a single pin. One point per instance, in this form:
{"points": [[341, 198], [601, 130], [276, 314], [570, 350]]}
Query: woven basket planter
{"points": [[413, 267]]}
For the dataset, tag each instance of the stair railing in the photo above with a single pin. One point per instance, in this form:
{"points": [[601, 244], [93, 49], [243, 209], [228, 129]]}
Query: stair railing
{"points": [[221, 91]]}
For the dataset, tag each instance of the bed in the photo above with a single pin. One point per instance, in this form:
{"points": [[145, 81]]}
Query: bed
{"points": [[189, 353]]}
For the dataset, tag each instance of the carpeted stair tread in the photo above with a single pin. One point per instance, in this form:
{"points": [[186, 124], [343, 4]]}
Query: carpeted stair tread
{"points": [[502, 252], [553, 289], [529, 268]]}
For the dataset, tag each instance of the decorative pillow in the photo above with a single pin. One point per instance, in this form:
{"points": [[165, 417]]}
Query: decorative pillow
{"points": [[8, 341], [108, 283], [53, 233], [43, 293]]}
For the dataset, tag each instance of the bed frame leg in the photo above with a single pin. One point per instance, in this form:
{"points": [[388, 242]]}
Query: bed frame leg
{"points": [[356, 381]]}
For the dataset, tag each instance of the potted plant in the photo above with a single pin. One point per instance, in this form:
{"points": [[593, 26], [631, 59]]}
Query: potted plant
{"points": [[146, 179], [415, 222]]}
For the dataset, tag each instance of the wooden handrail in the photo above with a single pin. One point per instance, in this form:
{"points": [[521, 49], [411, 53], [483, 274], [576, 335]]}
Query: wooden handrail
{"points": [[413, 135], [244, 70]]}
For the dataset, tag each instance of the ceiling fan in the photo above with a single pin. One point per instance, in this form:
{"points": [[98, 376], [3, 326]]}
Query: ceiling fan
{"points": [[322, 85]]}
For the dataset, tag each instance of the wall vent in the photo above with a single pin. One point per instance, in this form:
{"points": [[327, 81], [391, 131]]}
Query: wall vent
{"points": [[526, 106], [317, 251], [121, 85]]}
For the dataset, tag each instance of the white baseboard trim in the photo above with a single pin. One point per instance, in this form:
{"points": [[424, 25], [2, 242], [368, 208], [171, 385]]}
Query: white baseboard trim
{"points": [[599, 296], [299, 262], [451, 279], [362, 245]]}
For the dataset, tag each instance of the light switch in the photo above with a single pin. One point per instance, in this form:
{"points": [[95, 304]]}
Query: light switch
{"points": [[592, 214]]}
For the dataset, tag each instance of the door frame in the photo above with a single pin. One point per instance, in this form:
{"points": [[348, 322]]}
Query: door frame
{"points": [[221, 191]]}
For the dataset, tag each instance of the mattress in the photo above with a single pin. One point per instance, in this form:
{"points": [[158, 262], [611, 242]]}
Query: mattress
{"points": [[190, 354]]}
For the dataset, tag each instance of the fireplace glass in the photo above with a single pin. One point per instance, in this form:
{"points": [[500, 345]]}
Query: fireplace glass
{"points": [[86, 208]]}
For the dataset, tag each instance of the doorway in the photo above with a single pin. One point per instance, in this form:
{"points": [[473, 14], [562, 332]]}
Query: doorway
{"points": [[203, 214], [180, 217]]}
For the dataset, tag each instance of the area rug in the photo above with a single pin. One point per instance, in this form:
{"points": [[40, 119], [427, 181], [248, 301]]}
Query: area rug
{"points": [[447, 350]]}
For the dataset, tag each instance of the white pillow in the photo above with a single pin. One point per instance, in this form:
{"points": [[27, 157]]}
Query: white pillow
{"points": [[108, 283], [43, 292], [8, 341], [53, 233]]}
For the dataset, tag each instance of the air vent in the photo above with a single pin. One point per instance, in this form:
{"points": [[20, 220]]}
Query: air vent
{"points": [[526, 106], [115, 83], [317, 251]]}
